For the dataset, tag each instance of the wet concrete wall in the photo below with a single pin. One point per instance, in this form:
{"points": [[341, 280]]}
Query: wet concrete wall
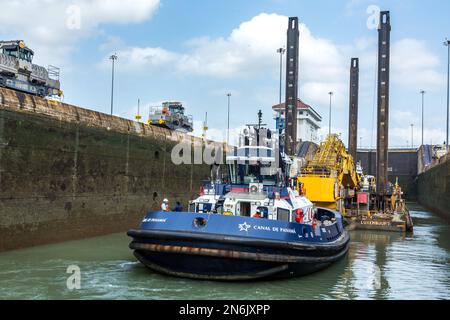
{"points": [[402, 164], [70, 173], [434, 189]]}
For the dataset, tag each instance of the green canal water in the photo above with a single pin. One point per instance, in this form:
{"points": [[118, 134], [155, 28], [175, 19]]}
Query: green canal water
{"points": [[378, 266]]}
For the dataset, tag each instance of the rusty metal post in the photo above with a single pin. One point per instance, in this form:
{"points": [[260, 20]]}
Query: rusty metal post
{"points": [[291, 87], [353, 109], [384, 31]]}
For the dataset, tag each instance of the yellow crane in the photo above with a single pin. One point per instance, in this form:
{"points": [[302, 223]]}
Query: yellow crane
{"points": [[330, 176]]}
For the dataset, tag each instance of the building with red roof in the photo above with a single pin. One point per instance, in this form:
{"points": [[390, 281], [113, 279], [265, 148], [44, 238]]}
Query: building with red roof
{"points": [[308, 121]]}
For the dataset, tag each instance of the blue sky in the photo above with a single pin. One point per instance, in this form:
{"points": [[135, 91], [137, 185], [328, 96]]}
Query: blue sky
{"points": [[197, 51]]}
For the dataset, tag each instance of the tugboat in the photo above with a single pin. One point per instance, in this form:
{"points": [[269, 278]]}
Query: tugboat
{"points": [[255, 226]]}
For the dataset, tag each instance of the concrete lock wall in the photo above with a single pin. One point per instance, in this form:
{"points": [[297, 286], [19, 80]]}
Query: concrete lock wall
{"points": [[434, 189], [69, 173], [402, 164]]}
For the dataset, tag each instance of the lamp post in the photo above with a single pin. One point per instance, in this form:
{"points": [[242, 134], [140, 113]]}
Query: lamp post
{"points": [[331, 95], [423, 102], [113, 58], [138, 116], [281, 51], [447, 43], [228, 127], [412, 135]]}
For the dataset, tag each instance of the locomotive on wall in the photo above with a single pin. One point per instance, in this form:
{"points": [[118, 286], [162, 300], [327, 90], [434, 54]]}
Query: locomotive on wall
{"points": [[171, 116], [18, 72]]}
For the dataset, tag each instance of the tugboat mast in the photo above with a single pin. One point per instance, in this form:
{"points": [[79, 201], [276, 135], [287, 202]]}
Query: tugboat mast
{"points": [[258, 126]]}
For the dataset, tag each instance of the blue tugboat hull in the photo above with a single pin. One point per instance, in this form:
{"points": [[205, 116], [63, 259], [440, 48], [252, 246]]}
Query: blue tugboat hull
{"points": [[231, 248]]}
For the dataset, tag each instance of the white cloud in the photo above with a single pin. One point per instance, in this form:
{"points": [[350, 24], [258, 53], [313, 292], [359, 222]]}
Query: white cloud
{"points": [[401, 137], [316, 93], [136, 58], [219, 135], [52, 27], [117, 11], [111, 43], [354, 6], [364, 43], [251, 49], [413, 65], [250, 52], [402, 117]]}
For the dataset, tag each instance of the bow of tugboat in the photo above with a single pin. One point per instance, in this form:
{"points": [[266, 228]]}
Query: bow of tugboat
{"points": [[218, 247]]}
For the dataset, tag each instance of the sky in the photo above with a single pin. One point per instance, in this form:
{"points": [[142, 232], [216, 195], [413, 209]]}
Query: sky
{"points": [[197, 51]]}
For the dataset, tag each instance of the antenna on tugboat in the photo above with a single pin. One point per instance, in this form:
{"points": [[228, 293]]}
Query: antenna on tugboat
{"points": [[259, 124], [259, 119]]}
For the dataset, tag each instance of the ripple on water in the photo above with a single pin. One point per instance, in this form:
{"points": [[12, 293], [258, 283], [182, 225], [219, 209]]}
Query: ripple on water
{"points": [[378, 266]]}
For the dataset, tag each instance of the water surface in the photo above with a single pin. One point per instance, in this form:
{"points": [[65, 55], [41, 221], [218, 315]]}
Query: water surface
{"points": [[379, 265]]}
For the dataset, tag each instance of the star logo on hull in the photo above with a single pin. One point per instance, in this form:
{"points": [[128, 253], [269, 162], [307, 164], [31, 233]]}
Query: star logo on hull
{"points": [[244, 227]]}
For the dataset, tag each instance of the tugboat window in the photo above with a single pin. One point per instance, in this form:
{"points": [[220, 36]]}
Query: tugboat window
{"points": [[245, 209], [249, 173], [219, 209], [264, 212], [283, 214]]}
